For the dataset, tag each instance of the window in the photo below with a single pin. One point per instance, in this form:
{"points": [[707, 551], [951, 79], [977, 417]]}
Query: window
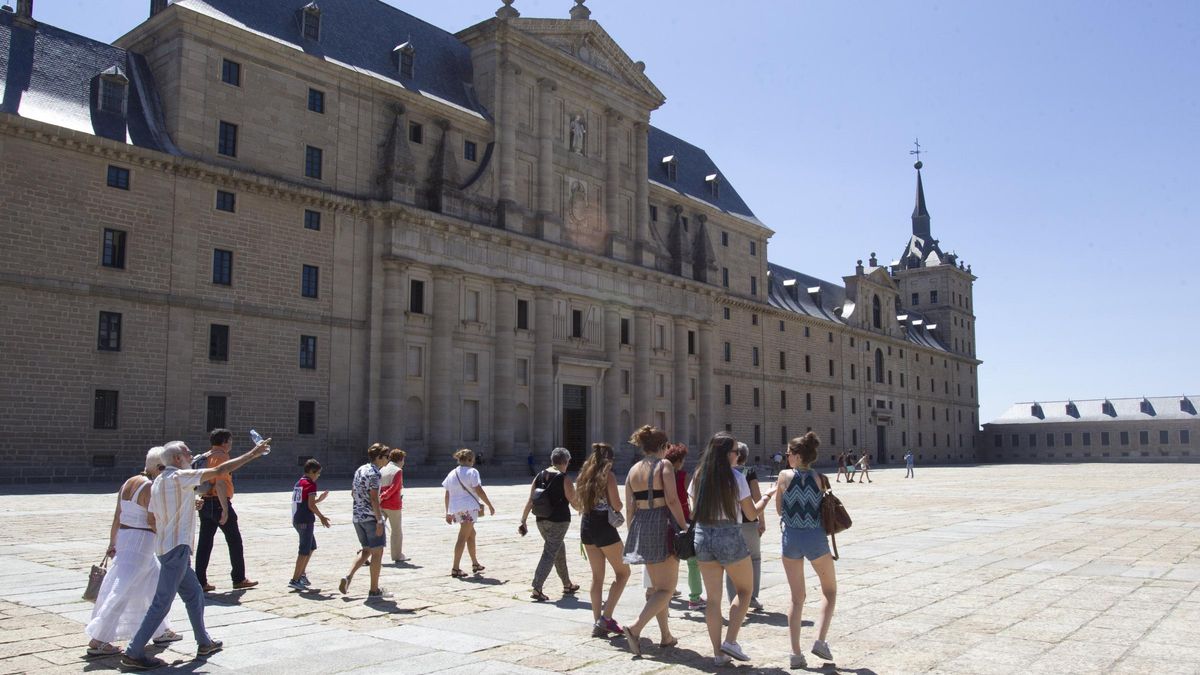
{"points": [[523, 372], [831, 367], [312, 219], [1087, 438], [118, 177], [691, 337], [672, 169], [728, 394], [756, 397], [1164, 437], [808, 402], [416, 297], [308, 352], [104, 411], [660, 336], [1068, 437], [114, 249], [757, 434], [754, 359], [807, 363], [625, 382], [316, 100], [471, 306], [406, 63], [933, 297], [416, 361], [624, 331], [653, 213], [306, 423], [312, 22], [1104, 438], [852, 372], [1124, 438], [577, 323], [916, 298], [725, 277], [469, 151], [753, 319], [523, 314], [879, 366], [222, 267], [1143, 438], [1185, 437], [997, 441], [854, 407], [783, 360], [725, 239], [782, 399], [832, 437], [112, 93], [218, 342], [1049, 440], [726, 313], [754, 248], [782, 326], [313, 159], [227, 139], [309, 278], [854, 437], [215, 412], [108, 338], [226, 201], [470, 367], [876, 312], [415, 133], [231, 72], [728, 352], [832, 404], [753, 285]]}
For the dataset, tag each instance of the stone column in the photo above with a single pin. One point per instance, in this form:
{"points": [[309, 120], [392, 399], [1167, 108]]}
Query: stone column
{"points": [[544, 415], [681, 381], [642, 180], [612, 174], [705, 422], [643, 409], [505, 374], [443, 375], [506, 130], [392, 357], [612, 379], [545, 177]]}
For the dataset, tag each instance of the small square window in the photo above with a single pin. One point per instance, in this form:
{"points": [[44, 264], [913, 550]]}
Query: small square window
{"points": [[218, 342], [108, 338], [308, 352], [316, 100], [307, 418], [231, 72], [309, 281], [222, 267], [104, 410], [227, 139], [113, 255], [313, 159], [226, 201], [416, 133], [118, 177], [312, 219], [469, 151]]}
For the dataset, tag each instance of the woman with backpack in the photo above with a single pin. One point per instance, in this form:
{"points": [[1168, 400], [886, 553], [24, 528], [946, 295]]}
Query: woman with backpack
{"points": [[551, 496], [600, 506]]}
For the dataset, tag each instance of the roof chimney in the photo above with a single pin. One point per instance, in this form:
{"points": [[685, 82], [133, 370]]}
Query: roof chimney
{"points": [[157, 6], [24, 12]]}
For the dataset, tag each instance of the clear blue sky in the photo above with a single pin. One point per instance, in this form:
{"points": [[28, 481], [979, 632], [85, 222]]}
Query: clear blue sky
{"points": [[1063, 147]]}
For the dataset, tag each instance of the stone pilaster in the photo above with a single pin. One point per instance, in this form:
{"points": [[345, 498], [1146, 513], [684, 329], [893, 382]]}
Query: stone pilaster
{"points": [[642, 207], [506, 131], [504, 370], [643, 410], [706, 425], [612, 379], [444, 377], [612, 173], [544, 415], [681, 382], [549, 226], [392, 357]]}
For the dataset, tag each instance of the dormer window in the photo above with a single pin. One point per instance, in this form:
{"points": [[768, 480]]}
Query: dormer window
{"points": [[714, 185], [1146, 407], [1072, 410], [404, 55], [1036, 411], [310, 22], [112, 91], [1108, 408], [671, 167]]}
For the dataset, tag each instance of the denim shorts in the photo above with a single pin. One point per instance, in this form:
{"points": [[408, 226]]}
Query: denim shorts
{"points": [[308, 537], [365, 530], [807, 542], [722, 543]]}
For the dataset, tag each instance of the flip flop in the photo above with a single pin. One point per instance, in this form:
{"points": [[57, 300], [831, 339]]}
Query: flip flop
{"points": [[103, 650], [634, 645]]}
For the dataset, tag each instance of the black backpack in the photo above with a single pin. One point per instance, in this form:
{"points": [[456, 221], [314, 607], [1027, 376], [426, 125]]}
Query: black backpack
{"points": [[201, 462], [543, 505]]}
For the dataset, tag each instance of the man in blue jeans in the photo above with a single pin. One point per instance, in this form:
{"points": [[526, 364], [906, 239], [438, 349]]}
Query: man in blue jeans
{"points": [[173, 507]]}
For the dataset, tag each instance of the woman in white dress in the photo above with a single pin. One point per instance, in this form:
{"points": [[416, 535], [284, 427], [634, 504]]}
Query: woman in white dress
{"points": [[465, 500], [129, 586]]}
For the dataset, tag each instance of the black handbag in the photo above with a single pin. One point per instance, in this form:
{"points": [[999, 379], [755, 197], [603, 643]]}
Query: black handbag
{"points": [[685, 542]]}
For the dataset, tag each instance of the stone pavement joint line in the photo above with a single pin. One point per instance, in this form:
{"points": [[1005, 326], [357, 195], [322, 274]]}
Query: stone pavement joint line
{"points": [[993, 569]]}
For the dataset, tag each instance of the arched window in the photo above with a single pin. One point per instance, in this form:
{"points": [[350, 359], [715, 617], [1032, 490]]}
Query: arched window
{"points": [[878, 363], [876, 312]]}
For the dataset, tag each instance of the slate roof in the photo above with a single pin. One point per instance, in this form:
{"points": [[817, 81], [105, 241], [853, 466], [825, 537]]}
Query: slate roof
{"points": [[1096, 410], [361, 35], [796, 298], [693, 165], [49, 74]]}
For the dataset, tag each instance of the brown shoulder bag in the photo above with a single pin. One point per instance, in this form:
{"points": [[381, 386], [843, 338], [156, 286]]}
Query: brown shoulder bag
{"points": [[834, 517]]}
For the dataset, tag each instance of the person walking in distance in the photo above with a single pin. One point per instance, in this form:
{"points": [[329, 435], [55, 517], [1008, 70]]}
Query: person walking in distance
{"points": [[368, 521], [851, 467], [391, 500], [841, 467], [172, 502], [465, 499], [305, 513], [908, 465], [864, 465], [798, 503], [554, 523], [217, 512]]}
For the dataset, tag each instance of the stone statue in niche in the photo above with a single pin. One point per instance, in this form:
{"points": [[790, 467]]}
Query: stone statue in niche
{"points": [[577, 204], [578, 134]]}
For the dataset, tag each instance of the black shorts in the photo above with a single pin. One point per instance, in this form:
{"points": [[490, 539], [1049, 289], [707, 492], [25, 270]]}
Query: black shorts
{"points": [[595, 530]]}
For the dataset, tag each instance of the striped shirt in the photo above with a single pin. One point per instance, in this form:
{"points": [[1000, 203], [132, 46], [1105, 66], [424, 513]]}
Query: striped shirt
{"points": [[172, 503]]}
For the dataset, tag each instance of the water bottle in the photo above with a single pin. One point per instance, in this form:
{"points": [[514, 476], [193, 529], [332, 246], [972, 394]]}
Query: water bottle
{"points": [[256, 439]]}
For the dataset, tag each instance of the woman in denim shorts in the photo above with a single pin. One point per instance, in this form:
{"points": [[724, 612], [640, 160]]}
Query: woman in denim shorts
{"points": [[722, 499], [798, 503]]}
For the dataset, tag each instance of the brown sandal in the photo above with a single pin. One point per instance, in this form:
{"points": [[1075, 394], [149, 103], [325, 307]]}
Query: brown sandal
{"points": [[457, 573], [538, 596]]}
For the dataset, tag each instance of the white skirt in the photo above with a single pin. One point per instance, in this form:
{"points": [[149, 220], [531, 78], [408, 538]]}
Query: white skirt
{"points": [[127, 590]]}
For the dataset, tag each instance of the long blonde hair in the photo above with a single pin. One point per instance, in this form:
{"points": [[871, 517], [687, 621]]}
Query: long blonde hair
{"points": [[593, 477]]}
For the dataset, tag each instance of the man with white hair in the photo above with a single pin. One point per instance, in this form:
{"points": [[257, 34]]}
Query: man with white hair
{"points": [[171, 502]]}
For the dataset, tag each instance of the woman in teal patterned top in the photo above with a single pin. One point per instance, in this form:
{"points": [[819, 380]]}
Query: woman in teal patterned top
{"points": [[798, 503]]}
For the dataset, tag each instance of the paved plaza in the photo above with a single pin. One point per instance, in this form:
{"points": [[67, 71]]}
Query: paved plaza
{"points": [[994, 569]]}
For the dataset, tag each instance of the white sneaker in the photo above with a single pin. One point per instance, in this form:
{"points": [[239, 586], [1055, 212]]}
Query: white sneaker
{"points": [[798, 661], [734, 650], [821, 648]]}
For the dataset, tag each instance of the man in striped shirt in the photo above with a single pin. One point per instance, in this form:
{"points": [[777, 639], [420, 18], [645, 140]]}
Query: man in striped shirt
{"points": [[173, 505]]}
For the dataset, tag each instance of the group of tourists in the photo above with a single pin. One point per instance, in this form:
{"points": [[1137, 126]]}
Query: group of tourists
{"points": [[720, 507]]}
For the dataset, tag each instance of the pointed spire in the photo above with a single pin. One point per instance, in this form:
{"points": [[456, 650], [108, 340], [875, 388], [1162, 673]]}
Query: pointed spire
{"points": [[920, 215]]}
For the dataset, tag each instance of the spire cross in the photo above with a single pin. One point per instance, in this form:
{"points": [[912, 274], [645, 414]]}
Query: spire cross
{"points": [[917, 152]]}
